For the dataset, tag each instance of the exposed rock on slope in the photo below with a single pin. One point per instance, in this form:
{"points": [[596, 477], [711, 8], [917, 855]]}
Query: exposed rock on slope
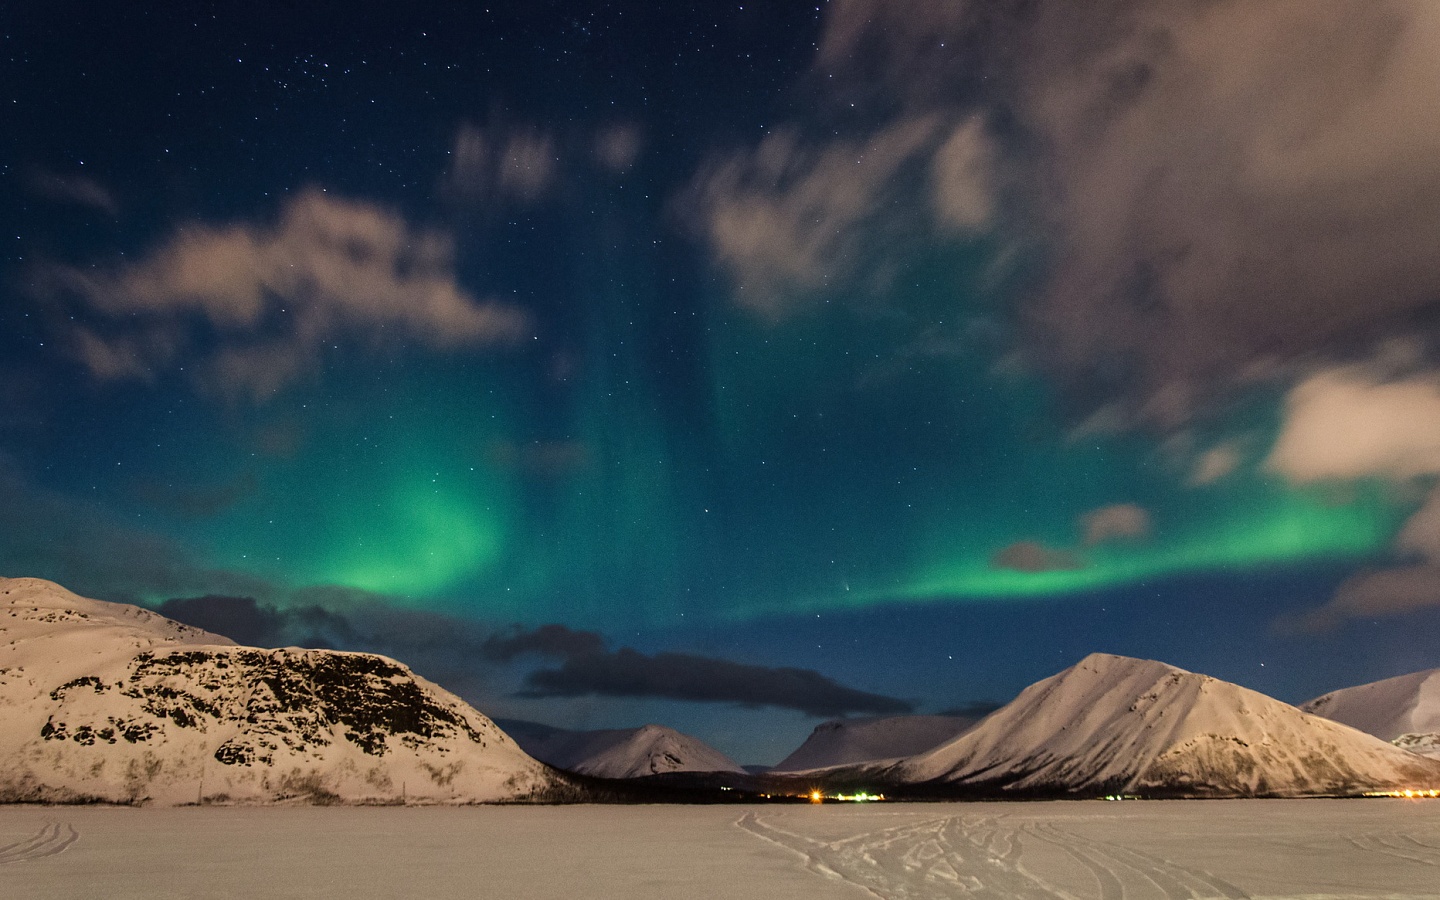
{"points": [[620, 752], [850, 741], [1111, 724], [112, 702], [1404, 710]]}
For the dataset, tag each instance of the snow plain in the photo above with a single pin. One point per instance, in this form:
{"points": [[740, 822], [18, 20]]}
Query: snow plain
{"points": [[1089, 850]]}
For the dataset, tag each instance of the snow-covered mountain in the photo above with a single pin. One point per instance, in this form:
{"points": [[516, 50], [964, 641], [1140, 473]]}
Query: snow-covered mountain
{"points": [[112, 702], [1111, 724], [619, 752], [849, 741], [1404, 710]]}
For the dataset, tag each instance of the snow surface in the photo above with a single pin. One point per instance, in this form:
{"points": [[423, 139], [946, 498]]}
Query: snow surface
{"points": [[619, 752], [1262, 849], [849, 741], [1404, 710], [1121, 725], [108, 701]]}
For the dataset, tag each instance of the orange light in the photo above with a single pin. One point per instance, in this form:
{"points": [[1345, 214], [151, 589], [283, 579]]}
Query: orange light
{"points": [[1409, 793], [816, 797]]}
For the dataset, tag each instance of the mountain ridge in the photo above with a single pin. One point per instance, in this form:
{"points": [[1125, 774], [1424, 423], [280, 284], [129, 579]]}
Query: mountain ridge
{"points": [[853, 741]]}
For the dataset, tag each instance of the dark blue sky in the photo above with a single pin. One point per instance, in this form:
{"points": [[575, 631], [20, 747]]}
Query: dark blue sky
{"points": [[922, 347]]}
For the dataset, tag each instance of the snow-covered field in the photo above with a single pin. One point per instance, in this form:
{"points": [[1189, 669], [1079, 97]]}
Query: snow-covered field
{"points": [[1133, 850]]}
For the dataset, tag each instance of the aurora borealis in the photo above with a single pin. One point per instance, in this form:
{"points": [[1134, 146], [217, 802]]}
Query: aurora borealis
{"points": [[915, 344]]}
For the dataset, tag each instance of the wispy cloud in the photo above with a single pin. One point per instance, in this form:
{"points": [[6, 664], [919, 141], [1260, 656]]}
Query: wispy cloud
{"points": [[1216, 463], [248, 307], [618, 147], [795, 216], [1126, 522], [1033, 557], [77, 190], [489, 166]]}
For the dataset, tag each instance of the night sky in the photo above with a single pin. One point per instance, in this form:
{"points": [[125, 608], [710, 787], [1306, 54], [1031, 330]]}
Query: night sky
{"points": [[734, 366]]}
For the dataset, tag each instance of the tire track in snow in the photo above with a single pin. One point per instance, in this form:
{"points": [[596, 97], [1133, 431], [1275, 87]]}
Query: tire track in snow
{"points": [[48, 841]]}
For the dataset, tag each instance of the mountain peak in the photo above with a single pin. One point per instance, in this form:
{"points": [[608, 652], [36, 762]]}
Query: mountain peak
{"points": [[1116, 724], [621, 752]]}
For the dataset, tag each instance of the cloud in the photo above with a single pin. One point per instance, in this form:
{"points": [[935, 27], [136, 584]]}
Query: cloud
{"points": [[1378, 593], [461, 654], [1351, 423], [1240, 186], [963, 177], [337, 618], [242, 619], [1348, 423], [249, 307], [556, 641], [1215, 464], [1410, 584], [1033, 556], [495, 165], [77, 190], [590, 669], [1117, 522], [793, 217], [680, 676], [448, 650], [1421, 535], [618, 147], [1224, 189]]}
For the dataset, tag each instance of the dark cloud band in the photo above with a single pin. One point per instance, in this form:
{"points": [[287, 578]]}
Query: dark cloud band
{"points": [[589, 669]]}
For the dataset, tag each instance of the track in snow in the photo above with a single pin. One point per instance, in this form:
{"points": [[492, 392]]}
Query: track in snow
{"points": [[983, 857], [48, 841]]}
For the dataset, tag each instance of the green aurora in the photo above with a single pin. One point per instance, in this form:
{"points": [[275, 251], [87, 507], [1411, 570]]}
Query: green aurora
{"points": [[463, 501]]}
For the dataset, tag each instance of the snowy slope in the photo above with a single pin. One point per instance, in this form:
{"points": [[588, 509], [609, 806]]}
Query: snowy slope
{"points": [[1114, 724], [112, 702], [1404, 710], [849, 741], [620, 752]]}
